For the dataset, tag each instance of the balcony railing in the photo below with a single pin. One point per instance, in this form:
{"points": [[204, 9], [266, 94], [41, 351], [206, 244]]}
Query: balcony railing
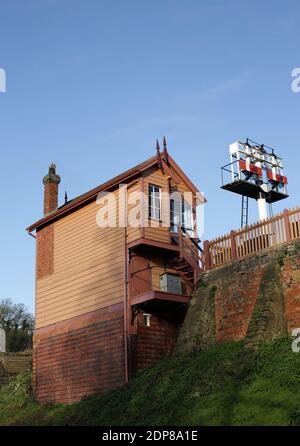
{"points": [[190, 249], [269, 233]]}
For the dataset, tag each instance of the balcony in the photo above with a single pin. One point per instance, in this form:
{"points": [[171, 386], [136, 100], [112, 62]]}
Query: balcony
{"points": [[170, 306], [149, 266]]}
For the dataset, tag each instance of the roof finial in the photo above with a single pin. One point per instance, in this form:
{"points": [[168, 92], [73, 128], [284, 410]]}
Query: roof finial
{"points": [[164, 143], [66, 197], [158, 155], [157, 146], [165, 151]]}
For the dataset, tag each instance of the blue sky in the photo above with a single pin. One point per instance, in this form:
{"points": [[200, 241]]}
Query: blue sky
{"points": [[91, 84]]}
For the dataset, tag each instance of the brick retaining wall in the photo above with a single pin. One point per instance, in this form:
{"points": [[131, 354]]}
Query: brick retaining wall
{"points": [[256, 298]]}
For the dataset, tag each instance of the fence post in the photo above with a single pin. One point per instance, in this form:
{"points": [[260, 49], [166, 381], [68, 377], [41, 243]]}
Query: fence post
{"points": [[287, 225], [207, 255], [233, 245]]}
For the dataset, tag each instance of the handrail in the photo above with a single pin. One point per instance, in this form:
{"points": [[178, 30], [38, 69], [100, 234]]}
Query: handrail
{"points": [[190, 249], [193, 239]]}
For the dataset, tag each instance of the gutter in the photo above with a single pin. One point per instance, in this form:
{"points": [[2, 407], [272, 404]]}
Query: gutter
{"points": [[30, 233]]}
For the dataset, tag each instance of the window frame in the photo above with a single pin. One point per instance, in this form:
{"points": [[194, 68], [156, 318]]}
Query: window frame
{"points": [[151, 204], [174, 225], [187, 214], [183, 213]]}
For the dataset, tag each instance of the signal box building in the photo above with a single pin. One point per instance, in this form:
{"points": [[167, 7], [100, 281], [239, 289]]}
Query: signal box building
{"points": [[110, 300]]}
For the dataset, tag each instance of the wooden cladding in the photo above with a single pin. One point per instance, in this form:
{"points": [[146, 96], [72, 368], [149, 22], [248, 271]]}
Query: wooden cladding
{"points": [[134, 231], [81, 266], [88, 270], [155, 230], [270, 233]]}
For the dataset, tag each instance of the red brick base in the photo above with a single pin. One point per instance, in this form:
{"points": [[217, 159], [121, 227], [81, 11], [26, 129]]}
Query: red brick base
{"points": [[152, 343], [79, 357]]}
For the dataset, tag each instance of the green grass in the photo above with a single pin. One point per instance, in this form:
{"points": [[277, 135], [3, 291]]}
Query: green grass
{"points": [[224, 385]]}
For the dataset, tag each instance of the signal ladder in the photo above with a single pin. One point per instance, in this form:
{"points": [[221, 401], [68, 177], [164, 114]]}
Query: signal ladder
{"points": [[245, 211]]}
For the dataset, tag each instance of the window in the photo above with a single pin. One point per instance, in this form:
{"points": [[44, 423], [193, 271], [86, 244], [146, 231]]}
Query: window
{"points": [[154, 202], [175, 215], [181, 214], [187, 218]]}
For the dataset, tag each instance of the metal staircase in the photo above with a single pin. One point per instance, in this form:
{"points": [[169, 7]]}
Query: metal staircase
{"points": [[189, 263]]}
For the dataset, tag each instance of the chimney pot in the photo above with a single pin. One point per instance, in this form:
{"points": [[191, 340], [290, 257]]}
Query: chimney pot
{"points": [[51, 182]]}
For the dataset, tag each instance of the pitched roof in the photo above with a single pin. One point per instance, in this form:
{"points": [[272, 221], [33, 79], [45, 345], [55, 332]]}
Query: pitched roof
{"points": [[87, 197]]}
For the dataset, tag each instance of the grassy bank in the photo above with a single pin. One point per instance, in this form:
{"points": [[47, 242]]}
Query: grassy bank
{"points": [[224, 385]]}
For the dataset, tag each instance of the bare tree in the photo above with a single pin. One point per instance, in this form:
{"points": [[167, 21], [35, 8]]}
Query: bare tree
{"points": [[18, 323]]}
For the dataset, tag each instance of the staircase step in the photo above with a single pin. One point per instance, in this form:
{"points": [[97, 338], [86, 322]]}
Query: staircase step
{"points": [[190, 273], [182, 267]]}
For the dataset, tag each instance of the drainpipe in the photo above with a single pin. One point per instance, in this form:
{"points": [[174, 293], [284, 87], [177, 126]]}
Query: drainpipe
{"points": [[126, 304], [34, 380]]}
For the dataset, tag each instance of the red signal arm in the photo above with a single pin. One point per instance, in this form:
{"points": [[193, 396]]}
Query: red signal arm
{"points": [[250, 167], [278, 178]]}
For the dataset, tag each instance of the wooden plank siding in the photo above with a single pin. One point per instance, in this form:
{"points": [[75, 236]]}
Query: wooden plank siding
{"points": [[134, 192], [88, 268], [155, 230], [88, 261]]}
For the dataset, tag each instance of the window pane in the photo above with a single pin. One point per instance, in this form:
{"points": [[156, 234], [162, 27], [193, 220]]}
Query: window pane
{"points": [[154, 201], [157, 202], [175, 214], [187, 218]]}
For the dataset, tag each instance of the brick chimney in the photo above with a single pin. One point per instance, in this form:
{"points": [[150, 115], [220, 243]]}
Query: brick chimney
{"points": [[51, 182]]}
